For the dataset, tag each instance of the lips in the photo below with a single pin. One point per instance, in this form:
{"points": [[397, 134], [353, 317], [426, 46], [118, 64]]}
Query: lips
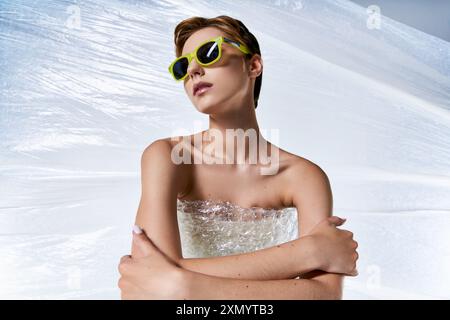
{"points": [[201, 85]]}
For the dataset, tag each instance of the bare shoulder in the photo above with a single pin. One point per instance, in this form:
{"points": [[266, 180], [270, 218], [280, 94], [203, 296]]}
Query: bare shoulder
{"points": [[157, 157], [305, 181], [160, 150], [306, 169], [297, 167]]}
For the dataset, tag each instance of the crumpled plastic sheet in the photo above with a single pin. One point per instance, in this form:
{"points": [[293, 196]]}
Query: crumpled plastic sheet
{"points": [[211, 228], [85, 88]]}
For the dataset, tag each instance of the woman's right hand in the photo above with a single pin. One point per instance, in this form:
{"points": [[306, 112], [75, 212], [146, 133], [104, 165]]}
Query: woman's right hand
{"points": [[335, 249]]}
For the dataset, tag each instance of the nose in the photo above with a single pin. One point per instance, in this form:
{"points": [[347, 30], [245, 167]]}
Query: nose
{"points": [[194, 68]]}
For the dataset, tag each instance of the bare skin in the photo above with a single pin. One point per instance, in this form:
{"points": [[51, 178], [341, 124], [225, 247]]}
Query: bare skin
{"points": [[321, 255]]}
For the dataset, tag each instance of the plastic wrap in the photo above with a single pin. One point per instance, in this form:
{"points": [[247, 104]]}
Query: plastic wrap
{"points": [[217, 228], [84, 88]]}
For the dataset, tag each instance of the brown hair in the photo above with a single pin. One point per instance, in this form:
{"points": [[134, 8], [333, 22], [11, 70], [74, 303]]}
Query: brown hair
{"points": [[233, 28]]}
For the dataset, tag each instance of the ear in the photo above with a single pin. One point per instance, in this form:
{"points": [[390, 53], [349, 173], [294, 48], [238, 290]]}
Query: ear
{"points": [[255, 66]]}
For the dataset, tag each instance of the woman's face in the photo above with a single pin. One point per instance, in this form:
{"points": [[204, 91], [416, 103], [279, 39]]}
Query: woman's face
{"points": [[231, 82]]}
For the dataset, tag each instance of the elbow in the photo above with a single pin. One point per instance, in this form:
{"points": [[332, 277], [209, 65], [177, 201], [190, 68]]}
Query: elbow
{"points": [[326, 292], [326, 286], [333, 286], [334, 291], [329, 290]]}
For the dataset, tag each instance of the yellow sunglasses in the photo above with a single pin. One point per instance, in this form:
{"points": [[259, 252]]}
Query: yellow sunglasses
{"points": [[205, 54]]}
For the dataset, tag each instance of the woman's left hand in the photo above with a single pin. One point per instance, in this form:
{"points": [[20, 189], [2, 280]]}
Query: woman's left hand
{"points": [[150, 274]]}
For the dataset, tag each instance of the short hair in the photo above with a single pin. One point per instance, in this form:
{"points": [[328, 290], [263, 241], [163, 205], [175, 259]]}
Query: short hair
{"points": [[233, 28]]}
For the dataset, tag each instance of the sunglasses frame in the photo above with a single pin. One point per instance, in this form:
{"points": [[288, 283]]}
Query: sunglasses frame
{"points": [[193, 54]]}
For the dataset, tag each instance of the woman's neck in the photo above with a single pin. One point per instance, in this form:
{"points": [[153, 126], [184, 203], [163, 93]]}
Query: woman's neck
{"points": [[237, 136]]}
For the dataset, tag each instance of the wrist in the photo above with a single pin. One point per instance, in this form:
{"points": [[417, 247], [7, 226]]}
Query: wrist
{"points": [[311, 254]]}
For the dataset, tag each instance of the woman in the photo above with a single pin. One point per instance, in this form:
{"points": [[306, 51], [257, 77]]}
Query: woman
{"points": [[220, 64]]}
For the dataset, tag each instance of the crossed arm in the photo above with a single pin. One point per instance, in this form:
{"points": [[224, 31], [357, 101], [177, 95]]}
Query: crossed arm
{"points": [[264, 274]]}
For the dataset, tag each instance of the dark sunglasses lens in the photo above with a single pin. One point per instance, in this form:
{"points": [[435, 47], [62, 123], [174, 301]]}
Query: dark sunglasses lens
{"points": [[208, 52], [180, 68]]}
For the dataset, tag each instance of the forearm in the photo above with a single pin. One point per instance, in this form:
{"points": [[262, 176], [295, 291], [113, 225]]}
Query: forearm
{"points": [[202, 286], [284, 261]]}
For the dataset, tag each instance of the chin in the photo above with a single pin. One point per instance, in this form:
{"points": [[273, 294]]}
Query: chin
{"points": [[207, 107]]}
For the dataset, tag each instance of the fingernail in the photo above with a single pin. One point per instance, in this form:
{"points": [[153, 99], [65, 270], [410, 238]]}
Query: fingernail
{"points": [[137, 230]]}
